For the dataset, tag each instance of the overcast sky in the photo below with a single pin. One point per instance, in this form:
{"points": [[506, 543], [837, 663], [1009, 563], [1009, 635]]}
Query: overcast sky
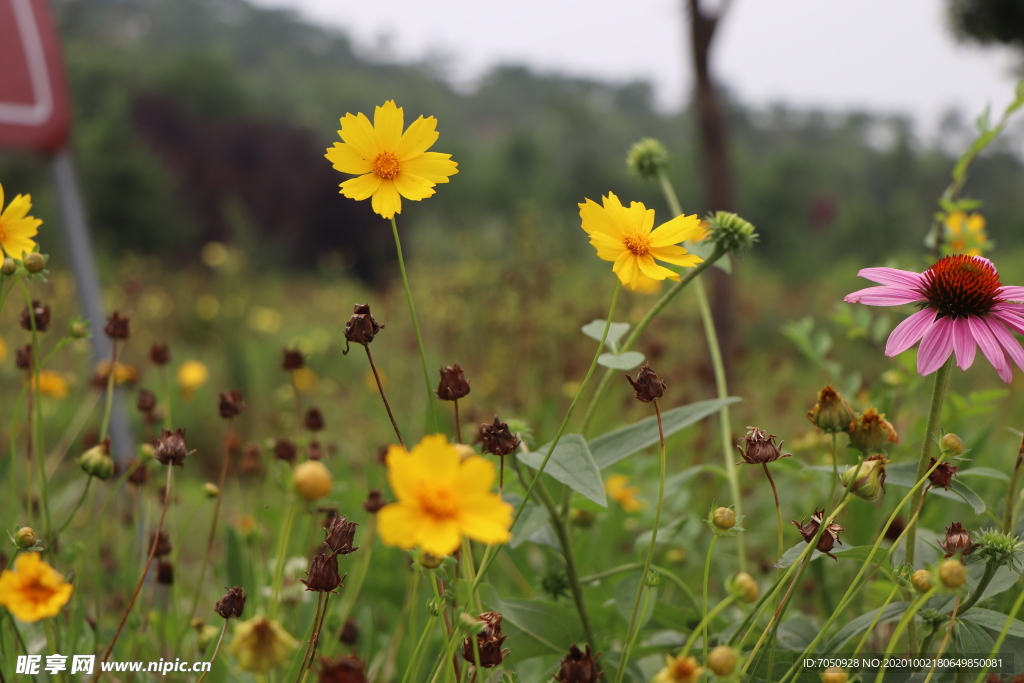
{"points": [[885, 55]]}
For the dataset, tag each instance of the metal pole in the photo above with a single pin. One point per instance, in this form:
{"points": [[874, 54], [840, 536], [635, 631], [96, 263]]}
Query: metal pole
{"points": [[83, 265]]}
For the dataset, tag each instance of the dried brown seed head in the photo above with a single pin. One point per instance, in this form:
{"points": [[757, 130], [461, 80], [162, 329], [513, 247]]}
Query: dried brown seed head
{"points": [[293, 359], [345, 670], [942, 476], [23, 357], [171, 448], [958, 540], [374, 502], [230, 405], [42, 317], [340, 535], [284, 450], [489, 642], [349, 632], [163, 544], [117, 326], [165, 573], [453, 384], [159, 354], [760, 448], [323, 574], [829, 537], [145, 401], [314, 420], [496, 438], [361, 328], [648, 386], [579, 666], [232, 604]]}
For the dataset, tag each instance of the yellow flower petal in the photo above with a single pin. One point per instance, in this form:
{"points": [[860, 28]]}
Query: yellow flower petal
{"points": [[679, 229], [417, 139], [413, 187], [386, 200], [362, 187], [652, 270], [676, 255], [475, 474], [388, 121], [433, 166], [627, 269], [486, 519], [975, 223], [438, 536], [357, 131], [398, 524], [347, 159]]}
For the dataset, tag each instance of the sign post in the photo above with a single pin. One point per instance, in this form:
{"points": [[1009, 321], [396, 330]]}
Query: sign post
{"points": [[35, 115]]}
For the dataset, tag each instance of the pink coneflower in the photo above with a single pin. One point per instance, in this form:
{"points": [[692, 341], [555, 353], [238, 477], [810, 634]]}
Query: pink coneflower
{"points": [[963, 306]]}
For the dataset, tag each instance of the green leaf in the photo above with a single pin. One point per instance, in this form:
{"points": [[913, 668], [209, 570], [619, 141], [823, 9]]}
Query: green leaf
{"points": [[973, 639], [616, 331], [797, 633], [903, 474], [984, 472], [617, 445], [573, 465], [857, 554], [994, 621], [235, 560], [970, 497], [534, 627], [892, 611], [533, 519], [704, 250], [623, 361], [625, 594]]}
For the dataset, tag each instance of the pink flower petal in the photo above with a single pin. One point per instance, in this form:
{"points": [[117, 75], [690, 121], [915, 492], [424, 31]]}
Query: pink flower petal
{"points": [[1006, 339], [884, 296], [1011, 293], [1015, 321], [891, 276], [991, 348], [936, 346], [909, 332], [963, 343]]}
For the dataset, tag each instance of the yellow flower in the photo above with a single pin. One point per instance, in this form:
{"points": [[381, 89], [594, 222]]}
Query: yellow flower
{"points": [[304, 379], [122, 373], [965, 234], [261, 644], [191, 375], [624, 236], [312, 480], [390, 164], [616, 487], [441, 497], [54, 385], [3, 349], [17, 228], [679, 670], [34, 590]]}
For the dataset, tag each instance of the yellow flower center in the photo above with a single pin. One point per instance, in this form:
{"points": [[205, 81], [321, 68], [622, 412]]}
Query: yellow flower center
{"points": [[386, 165], [36, 593], [638, 243], [439, 502]]}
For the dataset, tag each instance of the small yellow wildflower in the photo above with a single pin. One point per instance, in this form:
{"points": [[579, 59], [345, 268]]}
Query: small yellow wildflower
{"points": [[53, 384], [965, 234], [679, 670], [17, 228], [123, 373], [390, 164], [3, 349], [304, 379], [616, 485], [191, 375], [625, 237], [441, 497], [34, 590], [261, 644]]}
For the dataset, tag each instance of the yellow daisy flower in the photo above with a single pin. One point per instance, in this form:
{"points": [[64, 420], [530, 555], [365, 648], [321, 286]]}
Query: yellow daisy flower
{"points": [[260, 644], [618, 489], [390, 164], [624, 236], [965, 234], [17, 228], [34, 590], [679, 670], [53, 384], [441, 497], [191, 375]]}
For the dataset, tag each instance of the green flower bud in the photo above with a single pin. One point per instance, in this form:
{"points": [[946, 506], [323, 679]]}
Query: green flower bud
{"points": [[832, 412], [730, 232], [870, 478], [25, 538], [922, 580], [745, 585], [652, 579], [722, 660], [210, 490], [97, 462], [724, 518], [79, 329], [999, 548], [952, 444], [647, 158], [870, 432], [428, 561], [834, 674], [35, 262], [952, 573], [9, 267]]}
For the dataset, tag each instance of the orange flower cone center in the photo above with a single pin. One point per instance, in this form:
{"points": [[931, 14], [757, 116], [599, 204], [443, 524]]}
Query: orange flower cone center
{"points": [[386, 165], [638, 243], [36, 593], [961, 286], [438, 501]]}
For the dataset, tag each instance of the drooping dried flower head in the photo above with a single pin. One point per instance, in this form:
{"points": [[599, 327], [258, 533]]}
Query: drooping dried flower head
{"points": [[284, 449], [145, 402], [323, 574], [340, 535], [648, 386], [41, 312], [489, 642], [293, 359], [314, 420], [260, 644], [496, 438], [831, 412], [165, 573], [870, 432], [117, 326], [349, 632], [159, 354], [958, 540], [230, 404], [374, 502], [453, 384], [171, 448], [163, 544], [232, 604], [829, 537], [941, 476], [579, 667], [345, 670], [761, 448], [361, 328], [23, 357]]}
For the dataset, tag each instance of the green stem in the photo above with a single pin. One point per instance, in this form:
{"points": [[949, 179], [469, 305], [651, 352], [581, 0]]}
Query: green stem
{"points": [[704, 599], [630, 633], [71, 516], [1013, 493], [414, 664], [945, 642], [491, 551], [216, 650], [703, 625], [934, 416], [35, 423], [355, 584], [986, 578], [415, 323], [671, 576], [282, 553], [874, 622], [908, 616], [997, 646], [835, 469]]}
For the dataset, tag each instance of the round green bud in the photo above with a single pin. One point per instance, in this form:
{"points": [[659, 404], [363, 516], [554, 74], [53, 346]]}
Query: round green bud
{"points": [[952, 444], [722, 660], [647, 158], [724, 518], [25, 538], [921, 580], [952, 573], [210, 490], [97, 462], [35, 262], [9, 267]]}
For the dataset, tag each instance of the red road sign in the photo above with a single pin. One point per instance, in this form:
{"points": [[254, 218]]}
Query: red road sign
{"points": [[34, 112]]}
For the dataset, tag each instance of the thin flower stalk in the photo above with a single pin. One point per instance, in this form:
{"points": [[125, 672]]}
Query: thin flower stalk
{"points": [[1013, 492], [979, 590], [998, 645], [383, 396], [354, 585], [945, 641], [701, 628], [406, 622], [908, 617], [415, 323], [314, 636], [491, 551], [35, 421], [874, 622], [282, 554], [412, 671], [216, 651], [704, 596], [632, 630]]}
